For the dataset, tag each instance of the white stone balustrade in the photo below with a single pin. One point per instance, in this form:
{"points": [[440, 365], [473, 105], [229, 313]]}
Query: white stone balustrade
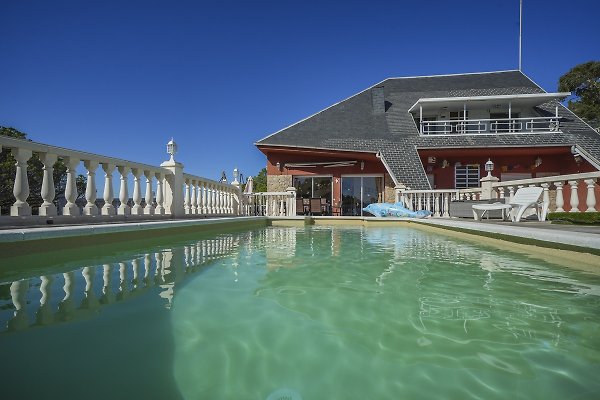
{"points": [[436, 201], [203, 196], [271, 204]]}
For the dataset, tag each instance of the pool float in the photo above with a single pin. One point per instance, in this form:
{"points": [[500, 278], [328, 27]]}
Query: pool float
{"points": [[394, 210]]}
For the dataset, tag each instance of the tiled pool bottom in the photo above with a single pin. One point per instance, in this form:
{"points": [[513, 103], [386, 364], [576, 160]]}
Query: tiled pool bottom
{"points": [[311, 313]]}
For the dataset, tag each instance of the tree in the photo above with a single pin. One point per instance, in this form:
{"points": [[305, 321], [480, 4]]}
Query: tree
{"points": [[260, 181], [584, 81], [35, 174]]}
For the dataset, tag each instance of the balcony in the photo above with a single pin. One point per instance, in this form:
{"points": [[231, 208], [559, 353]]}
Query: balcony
{"points": [[491, 126]]}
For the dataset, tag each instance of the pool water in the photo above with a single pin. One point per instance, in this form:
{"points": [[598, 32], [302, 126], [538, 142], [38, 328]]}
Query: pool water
{"points": [[299, 313]]}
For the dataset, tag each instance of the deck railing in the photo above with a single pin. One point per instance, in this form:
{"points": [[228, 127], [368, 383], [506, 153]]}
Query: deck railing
{"points": [[491, 126], [572, 193], [271, 204], [202, 196]]}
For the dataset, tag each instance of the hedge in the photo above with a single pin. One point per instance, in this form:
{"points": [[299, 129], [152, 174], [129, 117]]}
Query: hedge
{"points": [[583, 218]]}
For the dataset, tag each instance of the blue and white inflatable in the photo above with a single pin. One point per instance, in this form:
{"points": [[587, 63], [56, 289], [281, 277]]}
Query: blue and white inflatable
{"points": [[394, 210]]}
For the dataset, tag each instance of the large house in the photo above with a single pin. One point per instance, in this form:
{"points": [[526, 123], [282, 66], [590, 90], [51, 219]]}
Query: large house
{"points": [[428, 132]]}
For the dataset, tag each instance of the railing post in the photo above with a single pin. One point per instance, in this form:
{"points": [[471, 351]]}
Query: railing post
{"points": [[149, 209], [108, 208], [194, 202], [90, 189], [21, 187], [591, 196], [137, 208], [123, 209], [486, 186], [48, 191], [291, 201], [173, 188], [160, 194], [560, 201], [187, 200], [574, 197], [71, 187]]}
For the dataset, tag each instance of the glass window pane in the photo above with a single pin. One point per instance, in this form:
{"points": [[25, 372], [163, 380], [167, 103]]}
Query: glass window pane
{"points": [[351, 196], [303, 185]]}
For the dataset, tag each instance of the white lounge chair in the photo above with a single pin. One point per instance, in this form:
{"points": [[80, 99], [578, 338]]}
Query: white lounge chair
{"points": [[526, 197]]}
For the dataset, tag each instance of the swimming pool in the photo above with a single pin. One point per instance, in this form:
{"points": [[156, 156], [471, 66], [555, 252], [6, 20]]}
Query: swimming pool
{"points": [[310, 312]]}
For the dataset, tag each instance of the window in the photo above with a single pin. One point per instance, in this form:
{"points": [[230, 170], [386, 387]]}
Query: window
{"points": [[313, 186], [466, 176], [360, 191]]}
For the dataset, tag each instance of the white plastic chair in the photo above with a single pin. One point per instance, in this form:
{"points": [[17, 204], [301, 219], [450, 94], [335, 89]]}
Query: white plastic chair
{"points": [[526, 197]]}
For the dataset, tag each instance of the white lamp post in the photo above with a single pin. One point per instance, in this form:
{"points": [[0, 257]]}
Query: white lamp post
{"points": [[489, 167], [172, 149], [236, 173]]}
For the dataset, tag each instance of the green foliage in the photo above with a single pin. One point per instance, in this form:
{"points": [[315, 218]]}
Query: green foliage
{"points": [[584, 81], [260, 181], [582, 218], [35, 175]]}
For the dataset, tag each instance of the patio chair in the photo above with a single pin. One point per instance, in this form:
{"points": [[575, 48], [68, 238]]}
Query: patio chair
{"points": [[525, 198], [315, 206], [299, 207]]}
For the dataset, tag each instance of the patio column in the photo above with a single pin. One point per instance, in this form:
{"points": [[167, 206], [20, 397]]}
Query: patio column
{"points": [[71, 187], [194, 198], [187, 204], [591, 196], [149, 209], [21, 187], [160, 209], [124, 209], [574, 197], [137, 208]]}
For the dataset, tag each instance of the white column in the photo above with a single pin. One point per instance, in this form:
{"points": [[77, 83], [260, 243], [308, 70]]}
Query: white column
{"points": [[108, 208], [546, 194], [446, 205], [187, 203], [149, 209], [194, 189], [204, 197], [90, 190], [48, 192], [591, 196], [511, 194], [209, 199], [160, 209], [21, 187], [124, 209], [574, 197], [560, 201], [137, 208], [71, 187]]}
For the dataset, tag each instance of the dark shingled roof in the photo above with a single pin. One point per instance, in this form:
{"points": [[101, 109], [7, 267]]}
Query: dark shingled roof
{"points": [[352, 124]]}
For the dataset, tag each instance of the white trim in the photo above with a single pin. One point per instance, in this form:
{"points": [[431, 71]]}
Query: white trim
{"points": [[377, 84], [587, 156], [540, 96], [387, 167], [315, 148]]}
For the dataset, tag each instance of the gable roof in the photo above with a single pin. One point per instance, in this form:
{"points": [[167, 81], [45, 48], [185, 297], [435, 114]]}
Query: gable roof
{"points": [[352, 125]]}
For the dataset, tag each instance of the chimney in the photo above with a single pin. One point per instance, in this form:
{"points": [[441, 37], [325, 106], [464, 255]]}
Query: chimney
{"points": [[378, 100]]}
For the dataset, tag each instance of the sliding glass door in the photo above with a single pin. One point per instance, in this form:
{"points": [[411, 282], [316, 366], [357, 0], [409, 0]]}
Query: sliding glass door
{"points": [[360, 191]]}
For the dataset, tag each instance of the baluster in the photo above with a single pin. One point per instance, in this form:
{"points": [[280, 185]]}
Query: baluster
{"points": [[502, 192], [221, 201], [160, 208], [149, 209], [511, 194], [194, 188], [18, 294], [213, 199], [446, 205], [202, 198], [591, 196], [137, 208], [124, 209], [48, 192], [108, 208], [21, 187], [546, 201], [90, 188], [209, 204], [437, 205], [574, 197], [187, 203], [71, 187], [44, 316], [560, 201]]}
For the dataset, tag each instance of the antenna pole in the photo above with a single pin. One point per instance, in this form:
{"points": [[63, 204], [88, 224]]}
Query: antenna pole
{"points": [[520, 29]]}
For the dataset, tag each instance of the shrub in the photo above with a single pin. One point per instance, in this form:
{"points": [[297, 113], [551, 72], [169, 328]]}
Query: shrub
{"points": [[584, 218]]}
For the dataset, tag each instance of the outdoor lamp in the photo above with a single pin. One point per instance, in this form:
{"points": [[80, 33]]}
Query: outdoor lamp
{"points": [[235, 176], [489, 167], [172, 149]]}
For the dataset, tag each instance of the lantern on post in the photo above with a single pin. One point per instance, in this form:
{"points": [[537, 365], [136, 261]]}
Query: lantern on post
{"points": [[172, 149], [489, 167]]}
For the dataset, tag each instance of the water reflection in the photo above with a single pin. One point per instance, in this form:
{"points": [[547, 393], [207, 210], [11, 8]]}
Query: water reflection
{"points": [[82, 293]]}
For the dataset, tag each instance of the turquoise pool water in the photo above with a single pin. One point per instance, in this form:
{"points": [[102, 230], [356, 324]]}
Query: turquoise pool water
{"points": [[310, 313]]}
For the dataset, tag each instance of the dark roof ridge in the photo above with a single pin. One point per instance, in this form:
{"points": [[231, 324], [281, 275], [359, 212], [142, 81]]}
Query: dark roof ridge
{"points": [[457, 74]]}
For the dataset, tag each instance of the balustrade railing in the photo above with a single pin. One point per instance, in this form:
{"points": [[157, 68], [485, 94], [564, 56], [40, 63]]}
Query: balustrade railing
{"points": [[491, 126], [270, 204], [572, 193], [203, 196]]}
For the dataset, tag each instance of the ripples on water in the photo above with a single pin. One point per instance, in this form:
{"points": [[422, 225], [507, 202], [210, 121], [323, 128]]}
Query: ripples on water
{"points": [[311, 313]]}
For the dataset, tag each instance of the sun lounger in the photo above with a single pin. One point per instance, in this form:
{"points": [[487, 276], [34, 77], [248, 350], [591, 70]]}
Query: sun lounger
{"points": [[525, 198]]}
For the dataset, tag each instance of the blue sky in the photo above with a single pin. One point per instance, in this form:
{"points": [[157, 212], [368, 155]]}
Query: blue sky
{"points": [[119, 78]]}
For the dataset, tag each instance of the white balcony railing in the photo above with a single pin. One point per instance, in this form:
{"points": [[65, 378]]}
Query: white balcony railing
{"points": [[270, 204], [491, 126]]}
